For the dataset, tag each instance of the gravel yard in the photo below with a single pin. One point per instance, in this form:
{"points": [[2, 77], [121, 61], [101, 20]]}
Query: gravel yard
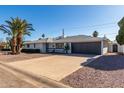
{"points": [[106, 71], [23, 56]]}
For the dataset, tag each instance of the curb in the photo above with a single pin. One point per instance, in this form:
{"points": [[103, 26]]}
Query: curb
{"points": [[39, 78]]}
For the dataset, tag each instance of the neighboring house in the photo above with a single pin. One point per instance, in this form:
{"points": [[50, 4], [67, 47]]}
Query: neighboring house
{"points": [[80, 44], [114, 47], [2, 45]]}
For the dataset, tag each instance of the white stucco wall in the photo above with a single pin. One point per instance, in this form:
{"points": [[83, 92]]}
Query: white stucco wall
{"points": [[40, 46], [110, 48], [31, 46], [104, 49], [121, 49]]}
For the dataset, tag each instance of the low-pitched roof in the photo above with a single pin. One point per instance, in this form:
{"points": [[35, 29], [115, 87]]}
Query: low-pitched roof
{"points": [[36, 41], [77, 38]]}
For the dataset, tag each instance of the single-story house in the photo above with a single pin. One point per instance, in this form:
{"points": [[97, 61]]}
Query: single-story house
{"points": [[77, 44]]}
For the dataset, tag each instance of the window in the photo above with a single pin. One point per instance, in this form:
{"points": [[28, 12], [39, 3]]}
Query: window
{"points": [[60, 45], [50, 45], [28, 45]]}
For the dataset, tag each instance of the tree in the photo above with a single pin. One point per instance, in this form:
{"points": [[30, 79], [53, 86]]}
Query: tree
{"points": [[16, 28], [10, 30], [120, 36], [24, 28], [43, 35], [95, 34]]}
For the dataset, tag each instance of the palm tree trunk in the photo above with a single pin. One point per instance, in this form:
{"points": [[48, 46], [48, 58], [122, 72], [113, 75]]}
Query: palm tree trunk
{"points": [[13, 45], [19, 43], [19, 48]]}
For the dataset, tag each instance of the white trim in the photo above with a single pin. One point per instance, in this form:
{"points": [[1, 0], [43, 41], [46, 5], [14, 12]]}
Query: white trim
{"points": [[102, 47], [70, 48]]}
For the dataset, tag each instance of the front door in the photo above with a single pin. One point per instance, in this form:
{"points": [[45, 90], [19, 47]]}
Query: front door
{"points": [[115, 48]]}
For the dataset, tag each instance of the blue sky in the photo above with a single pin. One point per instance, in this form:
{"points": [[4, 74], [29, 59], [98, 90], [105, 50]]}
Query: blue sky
{"points": [[76, 20]]}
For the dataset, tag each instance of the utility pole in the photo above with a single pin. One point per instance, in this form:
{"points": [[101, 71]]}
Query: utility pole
{"points": [[63, 33], [104, 36]]}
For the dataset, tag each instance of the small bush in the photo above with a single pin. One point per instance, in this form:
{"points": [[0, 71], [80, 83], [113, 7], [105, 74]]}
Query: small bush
{"points": [[31, 50], [5, 49]]}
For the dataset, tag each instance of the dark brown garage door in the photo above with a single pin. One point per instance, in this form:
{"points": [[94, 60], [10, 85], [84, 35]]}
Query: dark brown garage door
{"points": [[87, 48]]}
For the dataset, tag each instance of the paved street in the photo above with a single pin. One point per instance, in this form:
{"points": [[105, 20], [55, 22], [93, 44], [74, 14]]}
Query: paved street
{"points": [[8, 80], [55, 67]]}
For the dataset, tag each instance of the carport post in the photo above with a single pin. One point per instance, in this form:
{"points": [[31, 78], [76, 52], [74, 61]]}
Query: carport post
{"points": [[101, 47]]}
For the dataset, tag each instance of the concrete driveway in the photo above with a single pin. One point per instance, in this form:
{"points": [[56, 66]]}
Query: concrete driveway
{"points": [[55, 67]]}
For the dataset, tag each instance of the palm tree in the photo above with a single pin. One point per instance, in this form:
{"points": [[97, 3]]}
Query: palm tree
{"points": [[11, 31], [95, 34], [43, 35], [24, 28], [16, 28]]}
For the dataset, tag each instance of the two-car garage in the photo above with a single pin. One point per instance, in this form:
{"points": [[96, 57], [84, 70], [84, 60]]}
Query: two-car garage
{"points": [[86, 47]]}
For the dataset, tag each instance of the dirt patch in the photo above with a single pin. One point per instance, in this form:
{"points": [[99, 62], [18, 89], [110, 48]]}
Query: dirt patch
{"points": [[23, 56], [106, 71]]}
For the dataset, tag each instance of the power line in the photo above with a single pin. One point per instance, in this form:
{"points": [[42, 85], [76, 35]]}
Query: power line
{"points": [[108, 34], [90, 26], [102, 26], [96, 28]]}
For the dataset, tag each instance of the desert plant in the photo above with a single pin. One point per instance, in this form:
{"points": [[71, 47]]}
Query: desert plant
{"points": [[66, 47]]}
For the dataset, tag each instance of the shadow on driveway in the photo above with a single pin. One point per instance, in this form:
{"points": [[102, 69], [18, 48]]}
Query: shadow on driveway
{"points": [[107, 63], [72, 54]]}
